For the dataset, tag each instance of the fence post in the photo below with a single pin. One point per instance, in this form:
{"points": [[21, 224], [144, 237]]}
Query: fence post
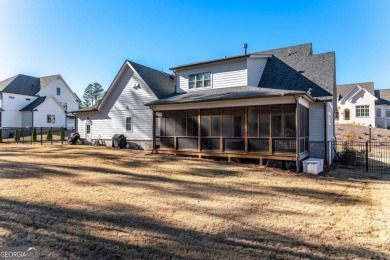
{"points": [[366, 156], [41, 134]]}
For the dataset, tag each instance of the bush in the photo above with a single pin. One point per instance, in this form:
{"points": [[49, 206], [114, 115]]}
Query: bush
{"points": [[62, 134], [351, 137], [1, 135], [34, 134], [17, 134], [49, 135]]}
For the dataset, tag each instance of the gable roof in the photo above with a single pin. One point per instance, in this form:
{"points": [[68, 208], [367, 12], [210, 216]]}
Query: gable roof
{"points": [[36, 103], [161, 84], [21, 84], [296, 68], [383, 96], [344, 89], [219, 94], [28, 85]]}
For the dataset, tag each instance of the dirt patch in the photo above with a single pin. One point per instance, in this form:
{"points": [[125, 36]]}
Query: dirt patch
{"points": [[92, 202]]}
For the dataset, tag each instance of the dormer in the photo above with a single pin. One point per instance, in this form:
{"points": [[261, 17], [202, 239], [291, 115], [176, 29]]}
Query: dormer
{"points": [[243, 70]]}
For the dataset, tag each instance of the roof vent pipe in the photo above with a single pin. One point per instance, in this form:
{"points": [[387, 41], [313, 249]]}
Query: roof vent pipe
{"points": [[245, 47]]}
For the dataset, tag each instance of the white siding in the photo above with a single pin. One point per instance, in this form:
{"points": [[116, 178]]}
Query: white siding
{"points": [[330, 121], [223, 75], [124, 101], [316, 122], [49, 107], [255, 68], [66, 94], [11, 116]]}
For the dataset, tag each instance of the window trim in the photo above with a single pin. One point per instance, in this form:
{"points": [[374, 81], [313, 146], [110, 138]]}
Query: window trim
{"points": [[51, 117], [362, 109], [58, 91], [203, 80], [127, 124]]}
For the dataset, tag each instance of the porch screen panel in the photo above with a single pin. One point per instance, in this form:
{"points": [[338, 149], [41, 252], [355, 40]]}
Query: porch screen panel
{"points": [[303, 128], [192, 123], [227, 123], [264, 119], [253, 124], [238, 122], [170, 124], [181, 123], [289, 121], [216, 122], [205, 123], [276, 119]]}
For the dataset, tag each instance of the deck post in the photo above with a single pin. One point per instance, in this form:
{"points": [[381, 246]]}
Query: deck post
{"points": [[297, 134], [199, 129], [154, 132], [246, 129]]}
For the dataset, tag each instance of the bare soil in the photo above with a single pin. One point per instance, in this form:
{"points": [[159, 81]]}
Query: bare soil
{"points": [[83, 202], [359, 133]]}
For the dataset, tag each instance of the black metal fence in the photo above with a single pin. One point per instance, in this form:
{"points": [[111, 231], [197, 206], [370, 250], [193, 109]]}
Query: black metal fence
{"points": [[36, 135], [362, 156]]}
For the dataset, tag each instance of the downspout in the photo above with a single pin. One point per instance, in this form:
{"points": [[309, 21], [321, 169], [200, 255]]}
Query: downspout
{"points": [[297, 135], [325, 134]]}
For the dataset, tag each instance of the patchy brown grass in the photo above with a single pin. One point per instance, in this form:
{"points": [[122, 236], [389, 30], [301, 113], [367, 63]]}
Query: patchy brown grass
{"points": [[353, 132], [93, 202]]}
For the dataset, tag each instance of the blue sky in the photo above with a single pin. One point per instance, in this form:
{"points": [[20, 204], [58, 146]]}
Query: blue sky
{"points": [[87, 41]]}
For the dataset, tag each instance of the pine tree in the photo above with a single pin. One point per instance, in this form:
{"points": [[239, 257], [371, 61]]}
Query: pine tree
{"points": [[62, 134], [92, 93], [34, 134], [17, 134], [1, 135], [49, 135]]}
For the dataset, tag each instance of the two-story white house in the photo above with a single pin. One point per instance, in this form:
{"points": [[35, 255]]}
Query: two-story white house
{"points": [[275, 104], [27, 101], [356, 104]]}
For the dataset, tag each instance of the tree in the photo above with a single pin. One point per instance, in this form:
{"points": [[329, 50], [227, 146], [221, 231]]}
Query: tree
{"points": [[17, 134], [34, 134], [1, 135], [92, 93], [62, 134], [49, 135]]}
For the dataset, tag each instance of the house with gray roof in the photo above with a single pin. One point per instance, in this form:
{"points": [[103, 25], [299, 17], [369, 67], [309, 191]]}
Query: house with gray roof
{"points": [[122, 110], [382, 108], [27, 101], [276, 104], [356, 104]]}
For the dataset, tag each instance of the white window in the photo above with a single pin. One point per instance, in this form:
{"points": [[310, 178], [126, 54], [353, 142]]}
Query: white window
{"points": [[51, 119], [362, 111], [199, 80], [387, 112], [58, 91], [65, 105], [378, 112], [129, 124], [88, 129]]}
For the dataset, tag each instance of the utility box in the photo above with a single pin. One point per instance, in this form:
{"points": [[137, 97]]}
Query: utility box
{"points": [[313, 165]]}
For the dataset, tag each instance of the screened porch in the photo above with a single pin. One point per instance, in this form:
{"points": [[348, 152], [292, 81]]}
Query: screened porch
{"points": [[269, 131]]}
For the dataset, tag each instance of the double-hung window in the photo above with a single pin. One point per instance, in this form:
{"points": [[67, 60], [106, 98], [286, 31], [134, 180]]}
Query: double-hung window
{"points": [[129, 124], [51, 119], [199, 80], [362, 111]]}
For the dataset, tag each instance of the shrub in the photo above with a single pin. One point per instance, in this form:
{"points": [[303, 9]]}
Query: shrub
{"points": [[351, 137], [34, 134], [62, 134], [1, 135], [49, 135], [17, 134]]}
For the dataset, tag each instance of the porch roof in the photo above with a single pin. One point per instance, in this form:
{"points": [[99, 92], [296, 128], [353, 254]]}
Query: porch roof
{"points": [[218, 94]]}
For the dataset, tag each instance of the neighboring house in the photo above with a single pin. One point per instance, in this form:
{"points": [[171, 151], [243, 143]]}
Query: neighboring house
{"points": [[122, 110], [356, 104], [27, 101], [382, 108], [275, 104]]}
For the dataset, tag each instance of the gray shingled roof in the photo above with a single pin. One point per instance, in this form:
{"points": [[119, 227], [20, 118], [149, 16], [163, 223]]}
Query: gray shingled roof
{"points": [[21, 84], [344, 89], [290, 70], [33, 105], [383, 96], [46, 80], [162, 84], [218, 94], [296, 68]]}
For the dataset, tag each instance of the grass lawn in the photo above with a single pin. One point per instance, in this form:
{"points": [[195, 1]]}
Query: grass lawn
{"points": [[83, 202]]}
